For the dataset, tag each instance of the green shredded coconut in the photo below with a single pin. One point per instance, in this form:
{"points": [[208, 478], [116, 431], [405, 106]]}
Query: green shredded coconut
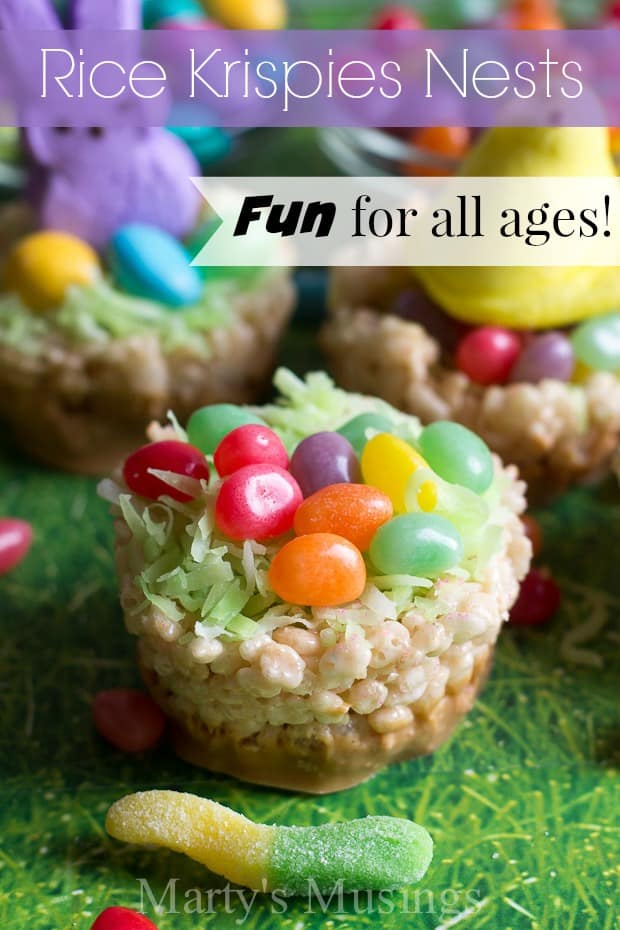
{"points": [[99, 312]]}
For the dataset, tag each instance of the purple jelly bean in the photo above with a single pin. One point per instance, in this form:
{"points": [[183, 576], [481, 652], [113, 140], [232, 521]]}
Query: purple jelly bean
{"points": [[547, 356], [416, 307], [323, 459]]}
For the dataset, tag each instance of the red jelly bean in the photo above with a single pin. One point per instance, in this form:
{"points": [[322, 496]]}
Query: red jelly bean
{"points": [[15, 540], [613, 12], [168, 455], [130, 720], [539, 598], [251, 444], [533, 531], [318, 570], [257, 502], [122, 918], [487, 354], [396, 17], [355, 511]]}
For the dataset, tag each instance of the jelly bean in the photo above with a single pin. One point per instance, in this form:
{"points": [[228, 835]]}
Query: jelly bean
{"points": [[534, 14], [534, 533], [443, 147], [154, 11], [388, 463], [43, 266], [318, 570], [478, 13], [612, 13], [128, 719], [396, 17], [539, 599], [207, 426], [150, 263], [448, 141], [322, 459], [457, 455], [596, 342], [257, 502], [359, 430], [15, 541], [122, 918], [248, 14], [249, 444], [355, 511], [547, 356], [422, 544], [427, 496], [168, 455], [487, 354]]}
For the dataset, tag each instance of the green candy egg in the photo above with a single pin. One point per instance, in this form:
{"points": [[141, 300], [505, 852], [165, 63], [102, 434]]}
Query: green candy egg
{"points": [[359, 430], [208, 425], [596, 343], [457, 455], [421, 544]]}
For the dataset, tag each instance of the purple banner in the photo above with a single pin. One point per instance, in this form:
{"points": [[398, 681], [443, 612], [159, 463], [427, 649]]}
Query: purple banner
{"points": [[309, 78]]}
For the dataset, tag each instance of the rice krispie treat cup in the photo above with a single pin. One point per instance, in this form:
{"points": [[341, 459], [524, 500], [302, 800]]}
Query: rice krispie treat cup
{"points": [[104, 322], [306, 621], [526, 357]]}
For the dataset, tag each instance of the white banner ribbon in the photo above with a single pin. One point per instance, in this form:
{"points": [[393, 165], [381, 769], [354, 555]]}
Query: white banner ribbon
{"points": [[418, 221]]}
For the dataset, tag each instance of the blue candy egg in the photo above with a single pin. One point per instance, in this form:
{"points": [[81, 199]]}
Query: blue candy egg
{"points": [[154, 11], [207, 143], [149, 263]]}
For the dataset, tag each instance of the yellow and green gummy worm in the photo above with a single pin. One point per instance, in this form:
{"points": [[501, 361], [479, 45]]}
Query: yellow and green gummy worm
{"points": [[371, 853]]}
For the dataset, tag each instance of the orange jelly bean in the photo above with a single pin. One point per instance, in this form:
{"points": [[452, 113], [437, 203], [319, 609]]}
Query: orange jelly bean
{"points": [[355, 511], [318, 570], [449, 142]]}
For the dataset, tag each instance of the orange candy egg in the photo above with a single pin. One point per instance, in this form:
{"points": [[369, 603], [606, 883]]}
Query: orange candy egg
{"points": [[318, 570], [355, 511]]}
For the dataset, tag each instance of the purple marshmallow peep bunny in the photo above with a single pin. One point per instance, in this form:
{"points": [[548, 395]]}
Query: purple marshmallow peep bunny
{"points": [[90, 182]]}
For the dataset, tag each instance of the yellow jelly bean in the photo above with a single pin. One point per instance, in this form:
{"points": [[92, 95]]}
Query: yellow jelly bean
{"points": [[427, 496], [42, 266], [247, 14], [388, 463]]}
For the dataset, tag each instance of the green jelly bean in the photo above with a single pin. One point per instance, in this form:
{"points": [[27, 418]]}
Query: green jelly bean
{"points": [[457, 455], [376, 852], [596, 343], [423, 544], [208, 425], [360, 429]]}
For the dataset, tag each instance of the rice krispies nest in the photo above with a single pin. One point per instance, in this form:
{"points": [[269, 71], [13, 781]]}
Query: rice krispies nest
{"points": [[83, 406], [313, 704], [556, 433]]}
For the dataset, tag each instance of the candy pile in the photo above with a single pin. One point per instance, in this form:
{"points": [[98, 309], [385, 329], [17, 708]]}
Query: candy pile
{"points": [[358, 499], [496, 355]]}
